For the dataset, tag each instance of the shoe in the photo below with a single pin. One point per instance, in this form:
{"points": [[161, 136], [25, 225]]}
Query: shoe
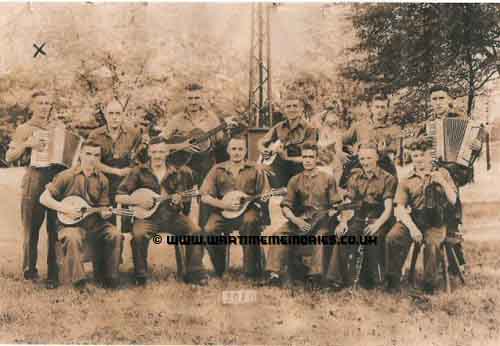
{"points": [[313, 283], [51, 284], [80, 284], [274, 279], [334, 287], [31, 275], [141, 281], [197, 279], [428, 288], [112, 283]]}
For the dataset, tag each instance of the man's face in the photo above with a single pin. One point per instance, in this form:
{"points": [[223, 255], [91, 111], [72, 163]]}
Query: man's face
{"points": [[157, 153], [237, 150], [60, 115], [309, 159], [332, 119], [293, 109], [368, 158], [194, 101], [421, 159], [41, 107], [90, 156], [379, 110], [440, 102], [114, 115]]}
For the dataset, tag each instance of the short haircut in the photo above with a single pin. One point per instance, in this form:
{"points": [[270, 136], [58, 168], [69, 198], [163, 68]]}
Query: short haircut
{"points": [[368, 145], [439, 87], [421, 143], [157, 140], [381, 97], [239, 138], [114, 100], [310, 146], [193, 87], [91, 143], [39, 93]]}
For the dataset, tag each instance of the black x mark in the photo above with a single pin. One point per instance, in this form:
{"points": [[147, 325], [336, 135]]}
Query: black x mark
{"points": [[39, 49]]}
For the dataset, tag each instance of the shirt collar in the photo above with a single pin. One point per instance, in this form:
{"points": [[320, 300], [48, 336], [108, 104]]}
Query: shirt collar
{"points": [[79, 170], [415, 173], [312, 173], [301, 123], [375, 173], [227, 165]]}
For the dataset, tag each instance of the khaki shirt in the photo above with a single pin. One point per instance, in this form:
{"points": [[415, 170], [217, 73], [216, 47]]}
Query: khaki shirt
{"points": [[410, 191], [220, 180], [311, 191], [292, 138], [122, 152], [386, 137], [372, 191]]}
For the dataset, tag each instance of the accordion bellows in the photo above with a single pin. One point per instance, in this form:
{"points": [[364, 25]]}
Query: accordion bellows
{"points": [[452, 139]]}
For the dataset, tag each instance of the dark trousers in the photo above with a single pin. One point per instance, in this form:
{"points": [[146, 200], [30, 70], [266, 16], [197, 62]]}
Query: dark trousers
{"points": [[398, 245], [344, 257], [292, 259], [168, 222], [33, 214], [104, 243], [248, 224]]}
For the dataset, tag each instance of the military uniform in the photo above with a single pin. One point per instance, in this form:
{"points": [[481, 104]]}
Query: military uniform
{"points": [[372, 192], [411, 194], [292, 139], [32, 212], [252, 181], [308, 193], [93, 231]]}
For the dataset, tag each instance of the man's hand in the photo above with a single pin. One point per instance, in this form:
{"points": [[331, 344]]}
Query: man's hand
{"points": [[187, 145], [33, 143], [416, 235], [372, 229], [343, 157], [176, 199], [437, 177], [146, 202], [302, 224], [121, 172], [106, 213], [341, 229]]}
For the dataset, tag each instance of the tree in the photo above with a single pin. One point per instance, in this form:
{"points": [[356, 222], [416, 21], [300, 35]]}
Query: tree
{"points": [[411, 46]]}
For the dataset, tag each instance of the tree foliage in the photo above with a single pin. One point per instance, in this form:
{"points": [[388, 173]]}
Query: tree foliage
{"points": [[411, 46]]}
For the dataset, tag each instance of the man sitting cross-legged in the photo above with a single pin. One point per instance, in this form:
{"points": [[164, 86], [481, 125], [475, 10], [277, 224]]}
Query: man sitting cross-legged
{"points": [[91, 185]]}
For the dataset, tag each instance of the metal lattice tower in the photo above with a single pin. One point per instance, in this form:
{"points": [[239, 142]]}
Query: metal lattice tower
{"points": [[259, 90]]}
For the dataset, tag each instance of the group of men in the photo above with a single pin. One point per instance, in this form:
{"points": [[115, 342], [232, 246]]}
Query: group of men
{"points": [[321, 168]]}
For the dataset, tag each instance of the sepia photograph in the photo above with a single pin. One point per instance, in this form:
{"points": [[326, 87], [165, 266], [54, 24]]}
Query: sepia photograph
{"points": [[266, 173]]}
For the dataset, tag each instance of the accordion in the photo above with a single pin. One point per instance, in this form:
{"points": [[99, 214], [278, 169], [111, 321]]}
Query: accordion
{"points": [[59, 146], [452, 138]]}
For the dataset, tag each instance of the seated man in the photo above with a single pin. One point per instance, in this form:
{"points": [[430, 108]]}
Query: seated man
{"points": [[171, 218], [91, 185], [427, 217], [310, 194], [374, 189], [241, 175]]}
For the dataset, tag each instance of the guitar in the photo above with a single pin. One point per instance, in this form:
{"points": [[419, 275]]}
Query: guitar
{"points": [[245, 201], [273, 147], [196, 137], [142, 213], [85, 210]]}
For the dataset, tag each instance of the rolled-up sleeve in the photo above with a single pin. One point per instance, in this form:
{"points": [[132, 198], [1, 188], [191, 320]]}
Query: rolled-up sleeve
{"points": [[333, 193], [390, 187], [129, 184], [58, 185], [401, 196]]}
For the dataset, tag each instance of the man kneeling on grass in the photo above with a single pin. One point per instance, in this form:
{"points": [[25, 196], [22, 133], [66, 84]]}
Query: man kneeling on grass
{"points": [[86, 182]]}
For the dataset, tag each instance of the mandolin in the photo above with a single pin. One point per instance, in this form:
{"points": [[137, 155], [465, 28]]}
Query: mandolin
{"points": [[245, 201]]}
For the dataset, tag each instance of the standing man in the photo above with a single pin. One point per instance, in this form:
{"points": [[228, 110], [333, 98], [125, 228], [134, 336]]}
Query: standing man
{"points": [[120, 145], [374, 189], [376, 130], [309, 192], [417, 220], [441, 104], [33, 213], [293, 133], [171, 218], [194, 118], [87, 182], [241, 175]]}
